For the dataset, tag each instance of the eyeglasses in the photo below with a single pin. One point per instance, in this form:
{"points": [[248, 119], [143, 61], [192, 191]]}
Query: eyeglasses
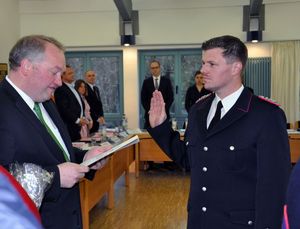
{"points": [[156, 67]]}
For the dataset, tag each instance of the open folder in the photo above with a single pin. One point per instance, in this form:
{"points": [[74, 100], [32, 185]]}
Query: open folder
{"points": [[123, 144]]}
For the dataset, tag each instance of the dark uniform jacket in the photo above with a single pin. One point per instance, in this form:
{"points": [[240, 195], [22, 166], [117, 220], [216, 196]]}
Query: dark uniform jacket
{"points": [[165, 87], [25, 139], [293, 198], [69, 109], [239, 169]]}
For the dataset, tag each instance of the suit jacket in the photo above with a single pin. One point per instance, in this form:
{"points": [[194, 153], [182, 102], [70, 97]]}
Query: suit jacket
{"points": [[165, 87], [239, 168], [25, 139], [96, 107], [69, 109]]}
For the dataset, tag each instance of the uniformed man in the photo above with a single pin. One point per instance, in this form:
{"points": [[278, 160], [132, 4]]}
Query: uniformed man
{"points": [[236, 146]]}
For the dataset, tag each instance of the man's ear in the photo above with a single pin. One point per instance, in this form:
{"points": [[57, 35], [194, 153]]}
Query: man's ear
{"points": [[26, 67], [237, 68]]}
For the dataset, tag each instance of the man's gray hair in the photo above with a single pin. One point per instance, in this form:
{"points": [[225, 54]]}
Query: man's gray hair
{"points": [[31, 47]]}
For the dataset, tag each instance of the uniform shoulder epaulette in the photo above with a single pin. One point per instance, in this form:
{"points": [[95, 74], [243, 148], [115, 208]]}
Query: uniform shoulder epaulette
{"points": [[203, 97], [268, 100]]}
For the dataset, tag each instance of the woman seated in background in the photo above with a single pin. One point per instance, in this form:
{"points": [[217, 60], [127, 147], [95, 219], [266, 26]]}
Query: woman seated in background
{"points": [[80, 86], [195, 91]]}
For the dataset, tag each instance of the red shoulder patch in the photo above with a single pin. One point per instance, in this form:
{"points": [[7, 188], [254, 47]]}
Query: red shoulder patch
{"points": [[268, 100], [203, 97]]}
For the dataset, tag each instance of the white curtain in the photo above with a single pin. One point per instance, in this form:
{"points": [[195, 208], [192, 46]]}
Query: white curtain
{"points": [[285, 75]]}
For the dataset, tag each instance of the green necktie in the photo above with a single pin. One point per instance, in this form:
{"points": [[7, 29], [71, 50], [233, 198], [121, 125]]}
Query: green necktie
{"points": [[38, 111]]}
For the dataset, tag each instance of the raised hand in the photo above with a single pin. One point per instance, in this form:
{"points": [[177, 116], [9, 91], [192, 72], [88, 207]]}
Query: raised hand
{"points": [[157, 112]]}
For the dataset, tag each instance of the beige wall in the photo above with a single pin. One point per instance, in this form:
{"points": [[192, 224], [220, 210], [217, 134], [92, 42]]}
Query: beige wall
{"points": [[10, 27], [94, 25]]}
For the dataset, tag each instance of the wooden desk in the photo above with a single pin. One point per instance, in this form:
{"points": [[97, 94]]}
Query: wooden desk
{"points": [[91, 192], [147, 150], [294, 140]]}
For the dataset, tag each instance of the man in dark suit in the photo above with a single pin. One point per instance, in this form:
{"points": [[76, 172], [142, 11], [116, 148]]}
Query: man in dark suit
{"points": [[32, 131], [237, 151], [70, 105], [156, 82], [94, 100]]}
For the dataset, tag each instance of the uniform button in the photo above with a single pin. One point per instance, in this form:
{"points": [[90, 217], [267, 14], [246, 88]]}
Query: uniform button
{"points": [[204, 209], [204, 169], [187, 143], [231, 148], [205, 148], [204, 189], [250, 222]]}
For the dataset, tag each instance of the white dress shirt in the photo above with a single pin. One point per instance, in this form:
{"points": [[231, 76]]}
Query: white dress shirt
{"points": [[227, 103]]}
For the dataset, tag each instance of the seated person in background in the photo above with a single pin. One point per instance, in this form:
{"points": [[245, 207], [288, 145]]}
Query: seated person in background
{"points": [[195, 91], [81, 87]]}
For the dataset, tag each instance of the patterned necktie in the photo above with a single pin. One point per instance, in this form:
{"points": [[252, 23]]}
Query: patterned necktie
{"points": [[38, 111], [156, 83], [217, 116]]}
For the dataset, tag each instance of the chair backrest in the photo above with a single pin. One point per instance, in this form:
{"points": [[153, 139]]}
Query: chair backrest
{"points": [[289, 125]]}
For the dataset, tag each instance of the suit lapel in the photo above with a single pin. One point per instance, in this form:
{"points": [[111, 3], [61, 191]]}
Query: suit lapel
{"points": [[202, 113], [151, 84], [23, 108], [31, 118], [97, 93], [239, 109], [92, 92]]}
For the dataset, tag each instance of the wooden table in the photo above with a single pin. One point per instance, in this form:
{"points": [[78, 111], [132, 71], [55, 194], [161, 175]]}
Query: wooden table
{"points": [[147, 150], [91, 192], [294, 140]]}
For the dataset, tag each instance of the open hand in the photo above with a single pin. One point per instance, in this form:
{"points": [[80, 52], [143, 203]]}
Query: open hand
{"points": [[157, 113]]}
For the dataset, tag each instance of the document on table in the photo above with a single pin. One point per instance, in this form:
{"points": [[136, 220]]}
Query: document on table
{"points": [[123, 144]]}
